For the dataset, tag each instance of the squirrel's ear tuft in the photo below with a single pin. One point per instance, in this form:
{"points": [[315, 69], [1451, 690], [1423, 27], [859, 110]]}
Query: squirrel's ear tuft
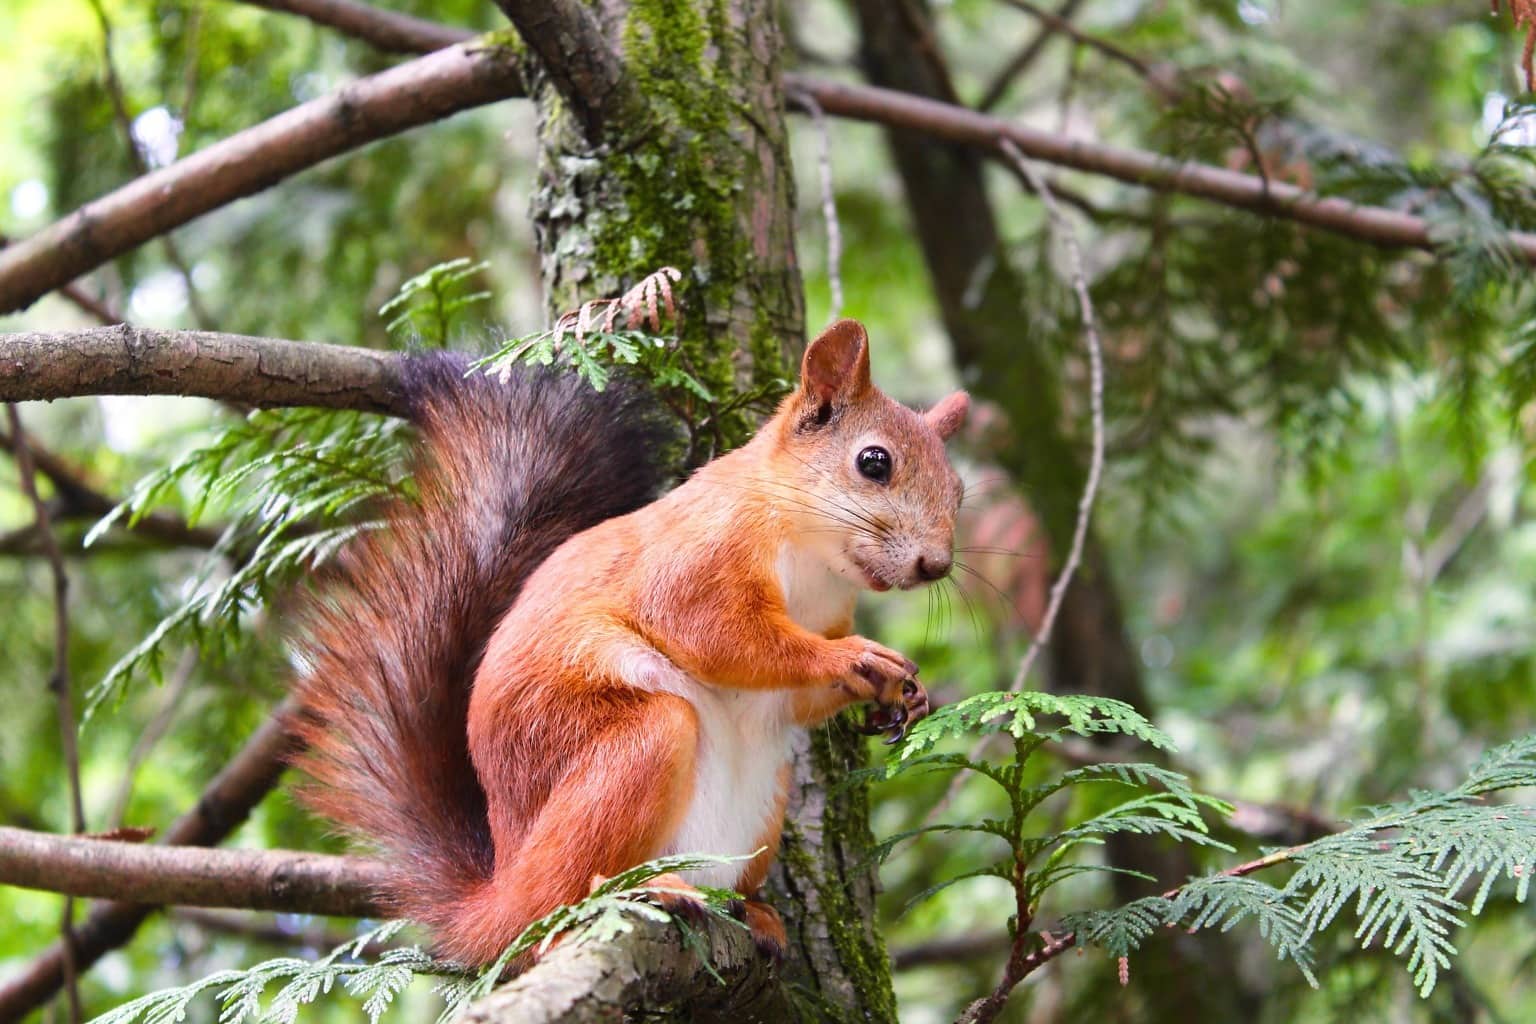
{"points": [[949, 415], [836, 366]]}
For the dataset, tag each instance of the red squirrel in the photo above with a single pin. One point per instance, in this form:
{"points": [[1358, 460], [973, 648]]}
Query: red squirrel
{"points": [[534, 678]]}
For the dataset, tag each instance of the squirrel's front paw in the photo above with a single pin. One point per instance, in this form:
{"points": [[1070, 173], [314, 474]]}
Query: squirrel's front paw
{"points": [[877, 673], [886, 677], [894, 719]]}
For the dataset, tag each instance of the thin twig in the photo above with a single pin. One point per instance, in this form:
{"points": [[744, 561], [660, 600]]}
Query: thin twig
{"points": [[1095, 348], [828, 201], [1066, 28], [170, 706], [88, 303], [59, 682], [1090, 491], [124, 118], [1031, 51]]}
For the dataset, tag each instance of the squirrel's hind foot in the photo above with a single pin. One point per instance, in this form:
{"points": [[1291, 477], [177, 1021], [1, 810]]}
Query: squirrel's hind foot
{"points": [[767, 930]]}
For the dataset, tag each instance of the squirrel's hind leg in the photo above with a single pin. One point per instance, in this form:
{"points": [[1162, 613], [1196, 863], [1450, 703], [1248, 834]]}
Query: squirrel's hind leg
{"points": [[617, 804]]}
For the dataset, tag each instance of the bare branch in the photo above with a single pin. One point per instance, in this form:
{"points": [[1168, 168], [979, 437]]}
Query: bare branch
{"points": [[954, 949], [651, 966], [388, 31], [58, 682], [372, 108], [88, 303], [224, 805], [1095, 348], [1371, 224], [573, 50], [1059, 23], [828, 203], [127, 360], [994, 93], [302, 883]]}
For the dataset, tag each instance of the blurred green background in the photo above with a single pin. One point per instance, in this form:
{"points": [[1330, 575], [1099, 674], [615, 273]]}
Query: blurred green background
{"points": [[1318, 507]]}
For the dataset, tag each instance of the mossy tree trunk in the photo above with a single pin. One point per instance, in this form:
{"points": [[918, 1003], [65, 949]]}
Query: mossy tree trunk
{"points": [[679, 157]]}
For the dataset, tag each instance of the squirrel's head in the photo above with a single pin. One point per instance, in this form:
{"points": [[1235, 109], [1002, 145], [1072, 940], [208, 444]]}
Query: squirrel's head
{"points": [[866, 478]]}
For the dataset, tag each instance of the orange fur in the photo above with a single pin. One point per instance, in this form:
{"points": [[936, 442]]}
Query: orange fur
{"points": [[661, 655]]}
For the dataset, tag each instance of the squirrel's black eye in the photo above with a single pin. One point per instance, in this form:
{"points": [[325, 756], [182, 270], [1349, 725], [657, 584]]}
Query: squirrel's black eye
{"points": [[875, 463]]}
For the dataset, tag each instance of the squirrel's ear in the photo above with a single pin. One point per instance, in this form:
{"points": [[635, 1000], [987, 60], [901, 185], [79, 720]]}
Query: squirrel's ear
{"points": [[949, 415], [836, 366]]}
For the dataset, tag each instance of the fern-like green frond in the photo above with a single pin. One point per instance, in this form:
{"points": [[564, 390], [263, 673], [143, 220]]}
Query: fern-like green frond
{"points": [[1018, 714], [294, 486]]}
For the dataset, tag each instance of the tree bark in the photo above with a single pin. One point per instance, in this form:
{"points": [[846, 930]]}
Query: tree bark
{"points": [[651, 967], [306, 883], [264, 372], [696, 175]]}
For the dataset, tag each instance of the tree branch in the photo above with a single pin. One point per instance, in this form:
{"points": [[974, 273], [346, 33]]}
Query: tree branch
{"points": [[1059, 23], [388, 31], [950, 950], [579, 60], [224, 805], [58, 682], [416, 93], [653, 967], [1372, 224], [994, 92], [300, 883], [128, 360]]}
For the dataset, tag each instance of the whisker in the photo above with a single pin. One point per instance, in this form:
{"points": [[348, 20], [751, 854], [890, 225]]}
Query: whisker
{"points": [[982, 549], [869, 521], [970, 608], [867, 513], [977, 486], [928, 618], [821, 509], [1007, 602]]}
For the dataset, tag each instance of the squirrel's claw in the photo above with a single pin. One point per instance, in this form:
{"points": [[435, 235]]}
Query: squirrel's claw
{"points": [[893, 719]]}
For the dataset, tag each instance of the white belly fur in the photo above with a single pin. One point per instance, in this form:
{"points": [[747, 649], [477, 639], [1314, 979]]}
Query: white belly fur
{"points": [[744, 735], [743, 744]]}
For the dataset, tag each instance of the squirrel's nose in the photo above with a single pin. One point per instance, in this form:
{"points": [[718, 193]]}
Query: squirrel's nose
{"points": [[933, 567]]}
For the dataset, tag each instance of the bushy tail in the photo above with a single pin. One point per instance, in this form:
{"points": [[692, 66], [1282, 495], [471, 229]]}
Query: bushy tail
{"points": [[506, 471]]}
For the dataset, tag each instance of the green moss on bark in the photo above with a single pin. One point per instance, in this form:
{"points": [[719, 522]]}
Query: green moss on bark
{"points": [[699, 185], [701, 181]]}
